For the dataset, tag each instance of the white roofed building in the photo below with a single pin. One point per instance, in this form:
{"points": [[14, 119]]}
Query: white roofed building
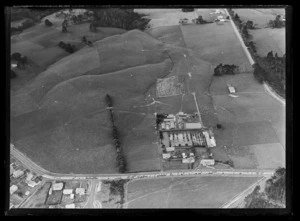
{"points": [[67, 191], [18, 173], [70, 206], [193, 126], [57, 186], [13, 189], [80, 191], [231, 89]]}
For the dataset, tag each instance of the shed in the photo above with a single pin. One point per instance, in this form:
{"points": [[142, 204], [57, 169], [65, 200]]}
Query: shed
{"points": [[207, 162], [231, 89]]}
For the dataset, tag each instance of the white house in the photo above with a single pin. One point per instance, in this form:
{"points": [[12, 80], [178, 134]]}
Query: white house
{"points": [[67, 191], [166, 155], [57, 186], [13, 189], [80, 191], [169, 149]]}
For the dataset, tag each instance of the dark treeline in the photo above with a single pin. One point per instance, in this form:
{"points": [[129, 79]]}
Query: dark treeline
{"points": [[121, 164], [226, 69], [118, 18]]}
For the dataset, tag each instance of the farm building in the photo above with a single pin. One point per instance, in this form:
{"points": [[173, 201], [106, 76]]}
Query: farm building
{"points": [[169, 149], [13, 189], [231, 89], [207, 162], [192, 125], [70, 206], [57, 186], [210, 140], [18, 173], [67, 191]]}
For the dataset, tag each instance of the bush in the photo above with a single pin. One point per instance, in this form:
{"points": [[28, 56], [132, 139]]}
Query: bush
{"points": [[226, 69], [16, 56], [48, 23], [68, 47]]}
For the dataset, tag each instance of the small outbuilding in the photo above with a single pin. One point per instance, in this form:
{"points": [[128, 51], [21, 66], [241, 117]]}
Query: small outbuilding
{"points": [[57, 186], [231, 89]]}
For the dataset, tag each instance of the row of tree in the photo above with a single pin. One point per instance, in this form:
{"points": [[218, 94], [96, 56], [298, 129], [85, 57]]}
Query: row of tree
{"points": [[121, 163], [67, 46], [226, 69]]}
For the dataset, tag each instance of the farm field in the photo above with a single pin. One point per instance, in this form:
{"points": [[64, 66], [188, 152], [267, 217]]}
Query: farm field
{"points": [[60, 121], [65, 119], [191, 192], [265, 39]]}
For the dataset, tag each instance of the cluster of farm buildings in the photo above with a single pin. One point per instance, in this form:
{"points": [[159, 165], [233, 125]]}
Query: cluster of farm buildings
{"points": [[180, 134]]}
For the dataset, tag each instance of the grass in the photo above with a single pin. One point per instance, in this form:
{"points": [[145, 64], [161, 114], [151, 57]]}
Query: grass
{"points": [[191, 192], [70, 133]]}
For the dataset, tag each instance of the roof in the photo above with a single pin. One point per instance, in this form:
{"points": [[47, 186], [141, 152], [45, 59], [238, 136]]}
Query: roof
{"points": [[70, 206], [18, 173], [231, 89], [57, 186], [13, 189], [67, 191], [193, 125], [80, 190]]}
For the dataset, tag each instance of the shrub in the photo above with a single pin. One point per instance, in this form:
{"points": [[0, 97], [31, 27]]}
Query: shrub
{"points": [[48, 23]]}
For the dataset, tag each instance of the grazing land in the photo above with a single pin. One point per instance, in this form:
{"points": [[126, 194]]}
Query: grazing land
{"points": [[192, 192]]}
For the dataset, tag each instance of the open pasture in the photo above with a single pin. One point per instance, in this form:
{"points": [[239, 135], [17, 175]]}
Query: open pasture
{"points": [[188, 192]]}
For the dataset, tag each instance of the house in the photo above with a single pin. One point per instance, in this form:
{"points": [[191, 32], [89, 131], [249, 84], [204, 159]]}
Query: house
{"points": [[207, 162], [18, 173], [67, 191], [57, 186], [70, 206], [231, 89], [193, 126], [29, 176], [72, 196], [27, 193], [13, 189], [80, 191], [166, 155], [31, 183]]}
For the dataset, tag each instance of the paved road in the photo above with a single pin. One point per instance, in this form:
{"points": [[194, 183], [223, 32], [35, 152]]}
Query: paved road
{"points": [[273, 94], [215, 172]]}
